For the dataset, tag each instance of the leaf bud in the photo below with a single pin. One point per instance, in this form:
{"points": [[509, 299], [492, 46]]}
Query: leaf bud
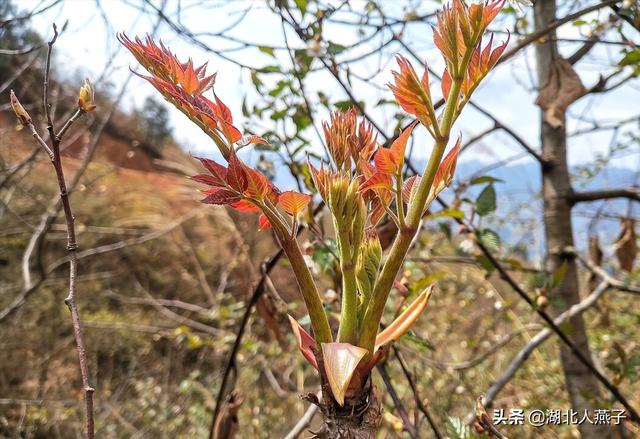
{"points": [[22, 114], [86, 97]]}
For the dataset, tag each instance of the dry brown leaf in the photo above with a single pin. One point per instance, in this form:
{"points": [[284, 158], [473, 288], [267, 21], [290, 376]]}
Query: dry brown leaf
{"points": [[595, 256], [563, 87], [227, 424], [626, 246], [595, 253]]}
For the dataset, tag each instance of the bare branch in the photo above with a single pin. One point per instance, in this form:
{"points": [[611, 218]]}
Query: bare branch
{"points": [[54, 154], [531, 38], [45, 99], [553, 327], [421, 406], [625, 17], [538, 339], [605, 194], [606, 277], [402, 412], [303, 423]]}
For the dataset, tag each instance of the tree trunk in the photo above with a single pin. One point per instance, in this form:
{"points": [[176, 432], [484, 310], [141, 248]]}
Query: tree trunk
{"points": [[359, 418], [583, 388]]}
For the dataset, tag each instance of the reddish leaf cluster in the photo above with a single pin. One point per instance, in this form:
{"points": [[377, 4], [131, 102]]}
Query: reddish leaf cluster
{"points": [[413, 94], [351, 146], [460, 27], [349, 142], [358, 186], [184, 86], [246, 189]]}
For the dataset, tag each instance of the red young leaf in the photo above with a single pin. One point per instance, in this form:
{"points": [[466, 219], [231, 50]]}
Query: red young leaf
{"points": [[378, 180], [412, 94], [161, 63], [220, 196], [232, 133], [447, 168], [408, 187], [236, 174], [404, 321], [208, 179], [225, 113], [389, 161], [445, 84], [320, 179], [245, 206], [258, 185], [383, 198], [340, 135], [188, 79], [398, 146], [217, 170], [263, 222], [248, 140], [444, 174], [485, 12], [306, 343], [293, 202], [385, 161], [482, 61]]}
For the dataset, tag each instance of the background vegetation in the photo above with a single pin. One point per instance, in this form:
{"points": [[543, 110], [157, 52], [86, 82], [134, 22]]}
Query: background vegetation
{"points": [[165, 282]]}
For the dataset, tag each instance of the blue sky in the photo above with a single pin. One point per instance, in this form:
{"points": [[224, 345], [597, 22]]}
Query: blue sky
{"points": [[508, 93], [87, 45]]}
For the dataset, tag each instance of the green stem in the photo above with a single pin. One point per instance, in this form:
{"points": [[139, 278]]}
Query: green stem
{"points": [[348, 330], [401, 245], [399, 201], [308, 289]]}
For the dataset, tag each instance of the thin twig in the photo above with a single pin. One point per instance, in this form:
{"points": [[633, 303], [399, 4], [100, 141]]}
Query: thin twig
{"points": [[302, 423], [72, 245], [79, 112], [556, 24], [421, 406], [598, 271], [539, 338], [45, 98], [402, 412]]}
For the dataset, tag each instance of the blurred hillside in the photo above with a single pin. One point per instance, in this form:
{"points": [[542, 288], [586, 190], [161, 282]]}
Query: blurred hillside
{"points": [[164, 282], [147, 250]]}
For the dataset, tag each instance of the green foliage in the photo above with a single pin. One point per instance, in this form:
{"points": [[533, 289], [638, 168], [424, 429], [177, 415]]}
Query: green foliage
{"points": [[490, 239], [14, 34], [326, 256], [458, 429], [154, 122], [486, 201], [631, 59]]}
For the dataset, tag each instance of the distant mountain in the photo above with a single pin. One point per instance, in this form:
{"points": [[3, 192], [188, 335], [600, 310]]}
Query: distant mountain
{"points": [[519, 198], [518, 219]]}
